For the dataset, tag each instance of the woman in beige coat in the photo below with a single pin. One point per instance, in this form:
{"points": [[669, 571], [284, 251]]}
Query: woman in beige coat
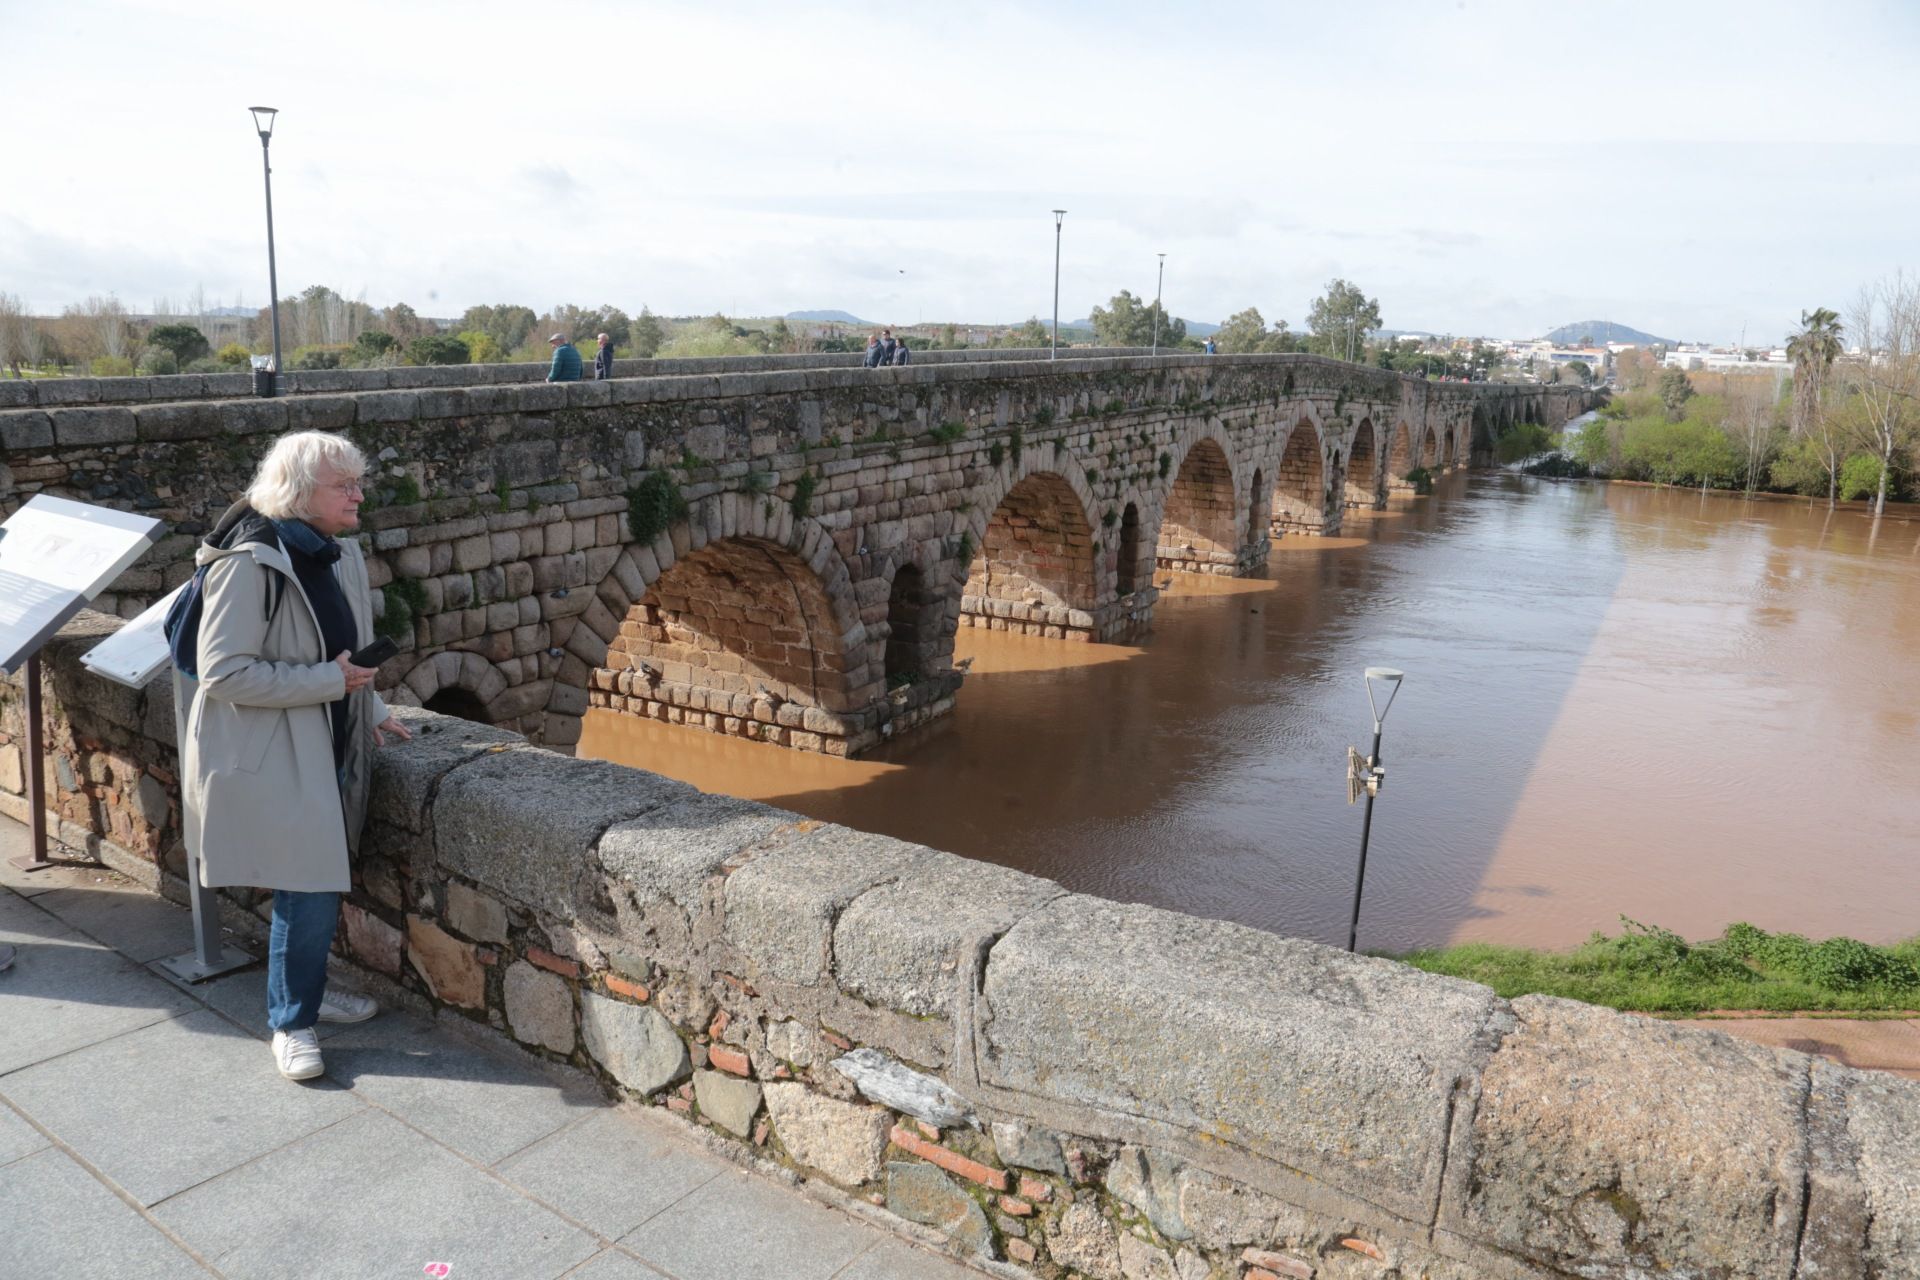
{"points": [[279, 728]]}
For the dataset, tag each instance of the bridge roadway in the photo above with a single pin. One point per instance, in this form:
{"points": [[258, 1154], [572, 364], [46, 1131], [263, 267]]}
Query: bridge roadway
{"points": [[783, 551]]}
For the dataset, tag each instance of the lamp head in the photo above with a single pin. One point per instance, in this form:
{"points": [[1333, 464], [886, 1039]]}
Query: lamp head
{"points": [[1058, 214], [263, 120], [1390, 680]]}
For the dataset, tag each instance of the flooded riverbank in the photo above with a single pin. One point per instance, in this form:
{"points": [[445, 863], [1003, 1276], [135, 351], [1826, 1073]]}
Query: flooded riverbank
{"points": [[1685, 708]]}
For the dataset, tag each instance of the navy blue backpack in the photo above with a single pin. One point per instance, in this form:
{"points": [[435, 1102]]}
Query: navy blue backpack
{"points": [[183, 616]]}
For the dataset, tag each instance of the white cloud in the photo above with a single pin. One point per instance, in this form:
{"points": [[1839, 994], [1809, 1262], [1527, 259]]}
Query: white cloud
{"points": [[1496, 167]]}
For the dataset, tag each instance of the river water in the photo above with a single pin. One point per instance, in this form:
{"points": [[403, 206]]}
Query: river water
{"points": [[1688, 709]]}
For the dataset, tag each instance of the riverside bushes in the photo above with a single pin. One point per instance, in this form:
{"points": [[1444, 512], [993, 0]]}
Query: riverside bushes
{"points": [[1647, 969]]}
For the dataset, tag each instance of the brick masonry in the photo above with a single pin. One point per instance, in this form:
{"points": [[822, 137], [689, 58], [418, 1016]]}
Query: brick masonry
{"points": [[839, 525]]}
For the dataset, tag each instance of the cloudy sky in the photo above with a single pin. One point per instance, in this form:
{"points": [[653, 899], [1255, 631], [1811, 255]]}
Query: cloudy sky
{"points": [[1694, 169]]}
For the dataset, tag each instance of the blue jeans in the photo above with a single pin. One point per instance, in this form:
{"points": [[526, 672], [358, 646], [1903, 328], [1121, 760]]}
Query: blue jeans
{"points": [[303, 925]]}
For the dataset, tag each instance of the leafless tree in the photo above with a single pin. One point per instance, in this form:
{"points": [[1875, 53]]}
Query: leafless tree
{"points": [[104, 324], [14, 322], [1752, 422], [1886, 378]]}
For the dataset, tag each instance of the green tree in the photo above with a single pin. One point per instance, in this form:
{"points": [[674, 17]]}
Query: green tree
{"points": [[371, 344], [645, 334], [1244, 333], [185, 342], [1580, 369], [437, 348], [1885, 382], [234, 356], [403, 322], [1813, 348], [482, 347], [1031, 334], [1675, 390], [508, 324], [1341, 319], [1126, 322]]}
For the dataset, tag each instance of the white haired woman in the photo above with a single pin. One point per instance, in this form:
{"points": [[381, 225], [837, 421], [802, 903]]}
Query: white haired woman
{"points": [[279, 727]]}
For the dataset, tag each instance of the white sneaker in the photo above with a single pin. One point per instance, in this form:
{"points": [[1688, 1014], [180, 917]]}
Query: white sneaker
{"points": [[298, 1053], [346, 1006]]}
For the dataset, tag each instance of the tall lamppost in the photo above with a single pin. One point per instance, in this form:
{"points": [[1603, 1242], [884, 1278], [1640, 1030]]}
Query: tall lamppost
{"points": [[263, 121], [1160, 281], [1053, 353], [1367, 775]]}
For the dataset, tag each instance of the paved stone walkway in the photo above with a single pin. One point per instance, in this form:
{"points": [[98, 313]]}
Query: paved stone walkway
{"points": [[1874, 1044], [144, 1133]]}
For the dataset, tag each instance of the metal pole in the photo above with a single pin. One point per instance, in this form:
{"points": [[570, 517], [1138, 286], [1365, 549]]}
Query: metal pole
{"points": [[1366, 829], [1054, 352], [35, 858], [273, 278], [1157, 285]]}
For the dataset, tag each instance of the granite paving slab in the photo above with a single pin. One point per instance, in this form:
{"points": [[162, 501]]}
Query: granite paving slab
{"points": [[370, 1197], [65, 992], [739, 1225], [17, 1137], [125, 916], [613, 1170], [482, 1104], [898, 1260], [60, 1221], [614, 1265], [160, 1109]]}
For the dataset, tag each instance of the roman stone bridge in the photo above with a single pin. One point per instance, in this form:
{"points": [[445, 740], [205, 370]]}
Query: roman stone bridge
{"points": [[782, 549]]}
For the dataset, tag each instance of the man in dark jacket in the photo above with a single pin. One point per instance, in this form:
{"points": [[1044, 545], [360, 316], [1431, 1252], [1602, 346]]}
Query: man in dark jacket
{"points": [[566, 360], [603, 359], [900, 353], [875, 351], [887, 347]]}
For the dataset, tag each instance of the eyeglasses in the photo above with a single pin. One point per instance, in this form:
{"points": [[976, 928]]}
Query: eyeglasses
{"points": [[348, 487]]}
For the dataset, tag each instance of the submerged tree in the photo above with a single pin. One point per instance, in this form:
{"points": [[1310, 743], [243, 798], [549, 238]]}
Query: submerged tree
{"points": [[1886, 379], [1813, 350]]}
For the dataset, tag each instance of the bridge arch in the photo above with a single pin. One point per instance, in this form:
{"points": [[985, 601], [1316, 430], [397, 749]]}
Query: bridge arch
{"points": [[1258, 505], [1429, 450], [1446, 448], [1034, 569], [1362, 488], [457, 683], [1199, 523], [1132, 566], [1300, 480]]}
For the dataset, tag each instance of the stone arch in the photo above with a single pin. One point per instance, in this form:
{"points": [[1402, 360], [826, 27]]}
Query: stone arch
{"points": [[1400, 458], [1363, 467], [1034, 569], [1446, 447], [1199, 528], [668, 602], [1132, 568], [1257, 520], [1429, 450], [1300, 482], [463, 684]]}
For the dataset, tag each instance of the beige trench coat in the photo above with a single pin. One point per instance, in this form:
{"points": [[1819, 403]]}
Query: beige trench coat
{"points": [[262, 803]]}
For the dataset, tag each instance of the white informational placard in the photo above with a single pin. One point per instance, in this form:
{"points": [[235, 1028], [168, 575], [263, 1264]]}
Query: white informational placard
{"points": [[136, 652], [55, 555]]}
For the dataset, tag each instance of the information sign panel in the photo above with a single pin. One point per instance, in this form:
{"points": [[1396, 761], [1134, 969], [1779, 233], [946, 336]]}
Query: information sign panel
{"points": [[55, 555], [136, 652]]}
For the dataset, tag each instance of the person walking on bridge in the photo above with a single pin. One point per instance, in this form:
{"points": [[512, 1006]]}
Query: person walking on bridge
{"points": [[566, 360], [603, 359], [875, 350]]}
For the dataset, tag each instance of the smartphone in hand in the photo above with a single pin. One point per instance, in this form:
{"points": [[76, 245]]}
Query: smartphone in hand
{"points": [[374, 654]]}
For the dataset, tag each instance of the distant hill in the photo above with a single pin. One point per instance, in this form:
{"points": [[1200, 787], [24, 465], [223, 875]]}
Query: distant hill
{"points": [[1604, 331], [827, 317]]}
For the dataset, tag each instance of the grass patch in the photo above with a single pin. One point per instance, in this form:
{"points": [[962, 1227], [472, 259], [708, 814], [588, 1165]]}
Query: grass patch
{"points": [[1647, 969]]}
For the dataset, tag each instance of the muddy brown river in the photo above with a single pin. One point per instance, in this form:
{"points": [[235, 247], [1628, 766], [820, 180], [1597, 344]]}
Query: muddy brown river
{"points": [[1688, 709]]}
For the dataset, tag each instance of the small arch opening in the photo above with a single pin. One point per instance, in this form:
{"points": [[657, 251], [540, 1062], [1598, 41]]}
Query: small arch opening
{"points": [[460, 703], [909, 630], [1127, 575]]}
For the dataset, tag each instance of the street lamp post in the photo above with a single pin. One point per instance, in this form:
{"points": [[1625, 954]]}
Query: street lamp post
{"points": [[1053, 353], [263, 122], [1368, 776], [1157, 284]]}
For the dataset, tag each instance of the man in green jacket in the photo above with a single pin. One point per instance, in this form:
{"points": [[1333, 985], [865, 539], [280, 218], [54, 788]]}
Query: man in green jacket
{"points": [[566, 360]]}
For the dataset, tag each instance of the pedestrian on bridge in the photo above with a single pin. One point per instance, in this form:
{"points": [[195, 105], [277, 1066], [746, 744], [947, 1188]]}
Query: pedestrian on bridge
{"points": [[875, 350], [277, 739], [566, 360], [902, 353], [603, 359]]}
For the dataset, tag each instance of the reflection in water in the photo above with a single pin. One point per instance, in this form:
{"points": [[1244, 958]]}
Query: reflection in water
{"points": [[1689, 710]]}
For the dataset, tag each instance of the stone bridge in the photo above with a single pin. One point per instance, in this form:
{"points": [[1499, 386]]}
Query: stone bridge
{"points": [[777, 550]]}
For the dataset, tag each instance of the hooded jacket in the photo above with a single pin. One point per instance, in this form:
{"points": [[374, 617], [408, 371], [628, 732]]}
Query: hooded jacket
{"points": [[261, 800]]}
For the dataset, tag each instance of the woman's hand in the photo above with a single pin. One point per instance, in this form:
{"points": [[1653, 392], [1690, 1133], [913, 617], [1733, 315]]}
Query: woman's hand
{"points": [[357, 677], [390, 726]]}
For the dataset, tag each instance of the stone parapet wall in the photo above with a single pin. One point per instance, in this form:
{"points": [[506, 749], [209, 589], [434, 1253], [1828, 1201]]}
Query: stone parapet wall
{"points": [[30, 393], [1079, 1086]]}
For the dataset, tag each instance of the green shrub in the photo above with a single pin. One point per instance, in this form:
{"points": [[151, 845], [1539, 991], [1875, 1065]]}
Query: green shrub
{"points": [[653, 506], [1166, 465], [1043, 415], [1421, 479], [317, 357], [157, 360], [185, 342], [405, 600], [437, 348], [1859, 475], [1015, 440], [111, 367], [996, 454], [234, 356], [947, 432], [801, 504]]}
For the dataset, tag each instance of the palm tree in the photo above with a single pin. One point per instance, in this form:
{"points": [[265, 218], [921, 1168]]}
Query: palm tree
{"points": [[1813, 350]]}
